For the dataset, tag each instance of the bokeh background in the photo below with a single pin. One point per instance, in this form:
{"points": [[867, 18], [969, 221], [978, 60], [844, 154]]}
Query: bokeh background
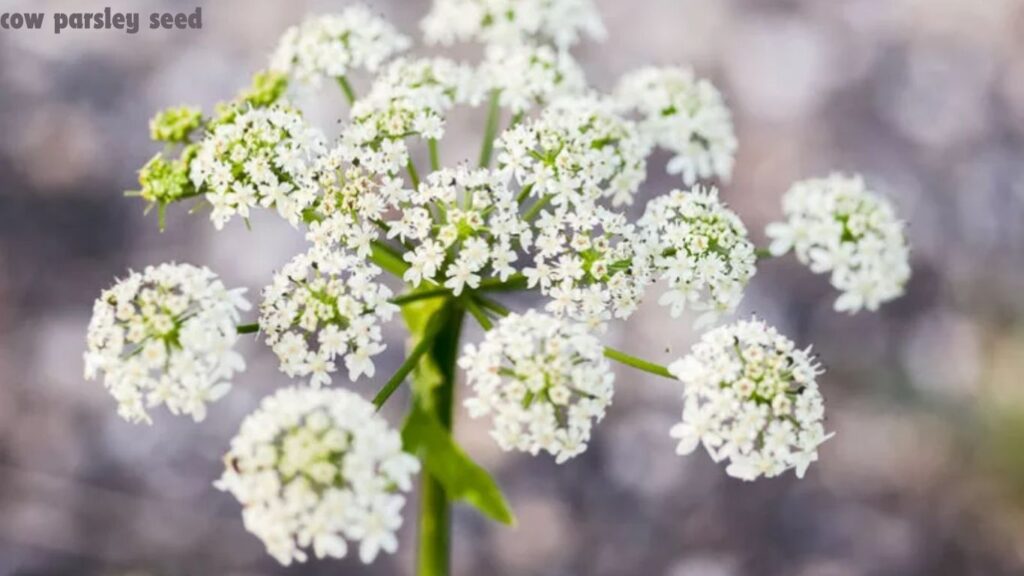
{"points": [[924, 477]]}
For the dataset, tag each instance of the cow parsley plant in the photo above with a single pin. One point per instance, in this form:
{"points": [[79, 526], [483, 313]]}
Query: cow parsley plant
{"points": [[401, 227]]}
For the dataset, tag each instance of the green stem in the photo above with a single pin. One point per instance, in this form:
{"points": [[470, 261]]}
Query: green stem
{"points": [[350, 94], [435, 510], [248, 328], [638, 363], [479, 314], [611, 353], [411, 297], [492, 305], [763, 253], [513, 283], [414, 175], [435, 155], [491, 129], [388, 259], [524, 193], [537, 207], [421, 348]]}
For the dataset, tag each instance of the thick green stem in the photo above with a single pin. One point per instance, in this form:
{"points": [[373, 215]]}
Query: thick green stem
{"points": [[435, 509], [491, 129], [350, 94]]}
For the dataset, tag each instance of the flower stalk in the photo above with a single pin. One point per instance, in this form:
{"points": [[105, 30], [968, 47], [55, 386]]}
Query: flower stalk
{"points": [[490, 129], [433, 557]]}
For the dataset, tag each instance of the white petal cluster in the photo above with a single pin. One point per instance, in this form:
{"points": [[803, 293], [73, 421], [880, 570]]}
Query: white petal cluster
{"points": [[578, 151], [319, 469], [701, 250], [353, 202], [332, 45], [323, 306], [527, 76], [751, 398], [544, 381], [258, 157], [684, 115], [591, 263], [837, 226], [459, 227], [165, 336], [561, 22], [409, 98], [462, 226]]}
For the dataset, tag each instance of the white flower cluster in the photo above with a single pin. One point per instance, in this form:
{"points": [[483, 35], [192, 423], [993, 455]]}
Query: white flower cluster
{"points": [[331, 45], [544, 380], [258, 157], [165, 336], [578, 151], [461, 226], [321, 306], [526, 75], [409, 98], [353, 204], [591, 262], [561, 22], [701, 249], [837, 226], [319, 469], [685, 115], [751, 398]]}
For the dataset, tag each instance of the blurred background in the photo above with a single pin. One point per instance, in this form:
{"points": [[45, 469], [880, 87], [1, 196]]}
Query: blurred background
{"points": [[925, 475]]}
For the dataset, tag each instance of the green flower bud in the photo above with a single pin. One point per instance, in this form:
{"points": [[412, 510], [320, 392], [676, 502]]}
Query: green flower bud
{"points": [[266, 88], [165, 181], [175, 124]]}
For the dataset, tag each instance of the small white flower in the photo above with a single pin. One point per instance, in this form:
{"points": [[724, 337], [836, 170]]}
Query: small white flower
{"points": [[410, 97], [590, 261], [751, 398], [318, 469], [258, 157], [324, 306], [701, 249], [578, 151], [165, 336], [560, 22], [837, 226], [527, 76], [471, 216], [684, 115], [544, 381], [468, 216], [332, 45]]}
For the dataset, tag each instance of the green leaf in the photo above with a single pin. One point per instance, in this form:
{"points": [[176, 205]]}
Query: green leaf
{"points": [[418, 315], [443, 459]]}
